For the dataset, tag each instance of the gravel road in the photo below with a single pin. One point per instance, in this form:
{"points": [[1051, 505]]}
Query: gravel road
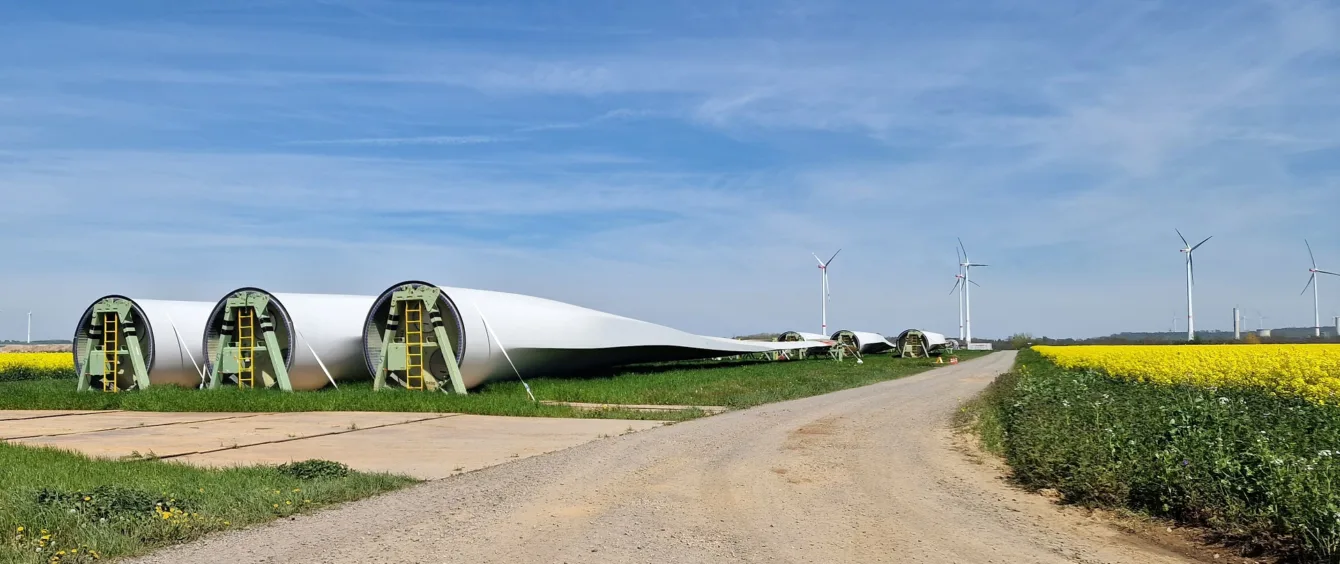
{"points": [[863, 475]]}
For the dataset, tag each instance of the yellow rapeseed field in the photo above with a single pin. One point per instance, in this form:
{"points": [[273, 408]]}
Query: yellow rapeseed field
{"points": [[1310, 371], [37, 361]]}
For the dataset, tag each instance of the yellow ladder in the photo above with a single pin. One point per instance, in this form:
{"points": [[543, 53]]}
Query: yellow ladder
{"points": [[246, 347], [111, 352], [414, 345]]}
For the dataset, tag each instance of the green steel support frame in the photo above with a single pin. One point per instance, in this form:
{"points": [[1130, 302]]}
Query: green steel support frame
{"points": [[229, 357], [393, 355], [121, 308]]}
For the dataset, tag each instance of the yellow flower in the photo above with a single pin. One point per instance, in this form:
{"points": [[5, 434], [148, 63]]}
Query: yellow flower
{"points": [[1308, 371]]}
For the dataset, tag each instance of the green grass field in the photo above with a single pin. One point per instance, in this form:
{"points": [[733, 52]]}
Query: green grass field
{"points": [[734, 384], [61, 507]]}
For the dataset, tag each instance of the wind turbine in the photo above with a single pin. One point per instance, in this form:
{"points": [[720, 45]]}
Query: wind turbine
{"points": [[1190, 283], [823, 269], [1313, 282], [967, 295], [959, 285]]}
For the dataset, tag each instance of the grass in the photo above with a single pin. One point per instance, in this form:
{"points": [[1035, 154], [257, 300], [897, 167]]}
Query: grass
{"points": [[57, 506], [734, 384], [1261, 471]]}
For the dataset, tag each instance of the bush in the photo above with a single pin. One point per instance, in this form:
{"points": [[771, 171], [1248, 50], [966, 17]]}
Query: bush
{"points": [[1257, 469], [314, 469]]}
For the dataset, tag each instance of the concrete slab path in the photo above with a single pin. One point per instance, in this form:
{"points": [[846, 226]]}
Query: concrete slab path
{"points": [[424, 445]]}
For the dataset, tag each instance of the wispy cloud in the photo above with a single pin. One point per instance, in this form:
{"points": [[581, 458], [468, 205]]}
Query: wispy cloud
{"points": [[397, 141]]}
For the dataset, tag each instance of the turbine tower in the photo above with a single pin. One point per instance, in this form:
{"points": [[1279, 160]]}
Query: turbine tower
{"points": [[823, 298], [1190, 284], [1313, 282], [967, 265]]}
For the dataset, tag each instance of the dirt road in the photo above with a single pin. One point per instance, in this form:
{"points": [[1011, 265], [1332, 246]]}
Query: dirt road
{"points": [[863, 475]]}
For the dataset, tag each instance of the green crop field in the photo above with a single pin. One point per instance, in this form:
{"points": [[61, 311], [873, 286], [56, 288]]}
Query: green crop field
{"points": [[1259, 469]]}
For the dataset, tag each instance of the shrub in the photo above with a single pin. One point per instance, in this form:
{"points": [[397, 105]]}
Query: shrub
{"points": [[314, 469]]}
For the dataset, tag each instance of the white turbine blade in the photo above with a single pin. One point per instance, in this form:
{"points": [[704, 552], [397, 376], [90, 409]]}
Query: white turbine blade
{"points": [[1191, 261], [974, 283], [817, 259], [964, 249], [1309, 283], [975, 264], [959, 254], [1327, 272], [1201, 243], [1184, 241], [956, 285], [1309, 253], [830, 259]]}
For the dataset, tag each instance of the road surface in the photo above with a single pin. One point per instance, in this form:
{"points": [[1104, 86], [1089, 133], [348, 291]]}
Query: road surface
{"points": [[863, 475]]}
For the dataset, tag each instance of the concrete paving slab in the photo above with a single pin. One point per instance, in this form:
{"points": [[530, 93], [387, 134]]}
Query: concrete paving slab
{"points": [[209, 435], [104, 421], [435, 448], [15, 414]]}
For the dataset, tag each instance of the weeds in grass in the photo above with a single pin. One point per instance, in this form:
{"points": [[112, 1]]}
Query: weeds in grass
{"points": [[1260, 470], [57, 506], [314, 469]]}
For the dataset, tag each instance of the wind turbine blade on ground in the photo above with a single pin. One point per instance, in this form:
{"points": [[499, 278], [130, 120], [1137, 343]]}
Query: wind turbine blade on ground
{"points": [[1309, 253], [1201, 243], [1309, 284], [1184, 241]]}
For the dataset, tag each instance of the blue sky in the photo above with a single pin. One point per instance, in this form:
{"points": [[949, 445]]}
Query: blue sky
{"points": [[677, 161]]}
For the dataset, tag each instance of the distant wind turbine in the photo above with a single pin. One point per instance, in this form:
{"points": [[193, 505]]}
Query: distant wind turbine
{"points": [[967, 295], [959, 287], [823, 269], [1313, 282], [1190, 284]]}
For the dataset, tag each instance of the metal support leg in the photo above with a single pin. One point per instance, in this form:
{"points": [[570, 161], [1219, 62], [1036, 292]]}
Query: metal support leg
{"points": [[276, 355], [448, 355]]}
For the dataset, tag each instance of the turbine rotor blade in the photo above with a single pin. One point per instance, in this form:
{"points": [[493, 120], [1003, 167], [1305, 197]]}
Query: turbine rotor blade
{"points": [[975, 264], [965, 249], [1309, 283], [1179, 234], [974, 283], [1191, 262], [1201, 243], [1309, 253], [956, 284], [817, 259], [959, 254], [830, 259], [1327, 272]]}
